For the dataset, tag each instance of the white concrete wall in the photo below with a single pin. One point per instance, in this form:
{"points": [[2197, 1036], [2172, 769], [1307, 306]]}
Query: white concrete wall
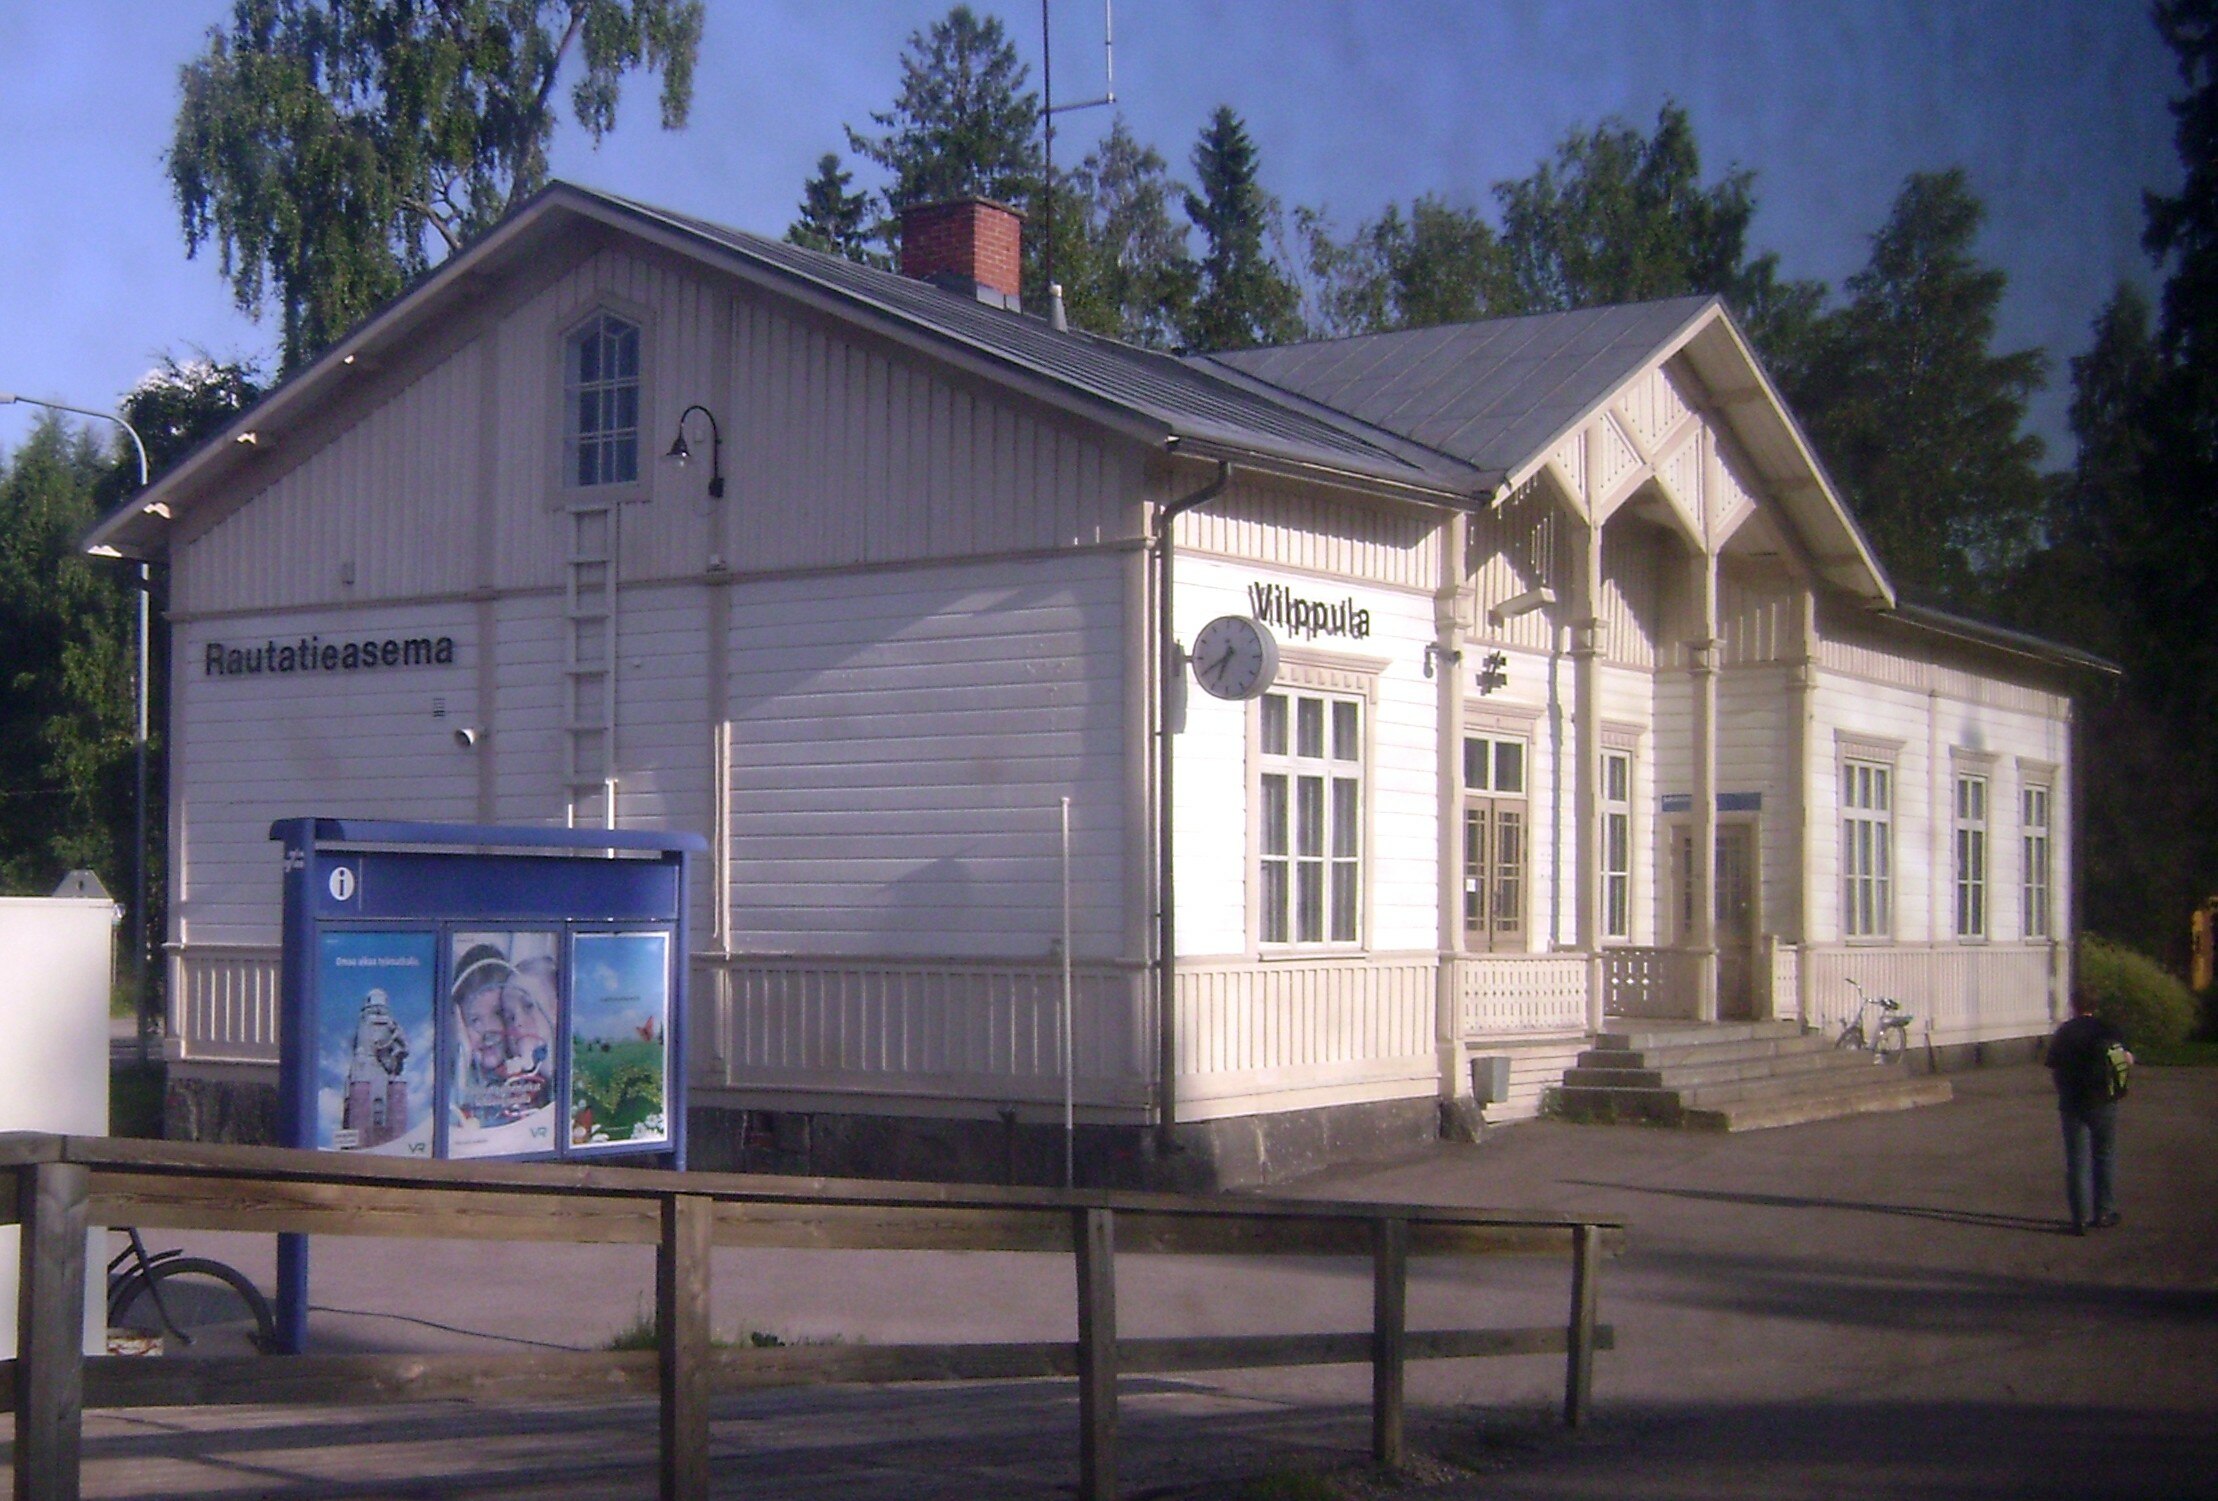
{"points": [[57, 962]]}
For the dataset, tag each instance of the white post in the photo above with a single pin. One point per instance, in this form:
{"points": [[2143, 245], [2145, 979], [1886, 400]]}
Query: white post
{"points": [[1070, 1123]]}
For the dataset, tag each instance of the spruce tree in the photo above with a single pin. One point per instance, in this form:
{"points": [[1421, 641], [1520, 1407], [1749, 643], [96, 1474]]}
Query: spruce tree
{"points": [[1243, 299], [833, 219], [963, 122]]}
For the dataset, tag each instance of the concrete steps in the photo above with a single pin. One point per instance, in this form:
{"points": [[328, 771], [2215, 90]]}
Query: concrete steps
{"points": [[1733, 1076]]}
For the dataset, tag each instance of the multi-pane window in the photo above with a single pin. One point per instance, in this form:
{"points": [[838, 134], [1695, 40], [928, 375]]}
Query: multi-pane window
{"points": [[2035, 822], [601, 398], [1867, 849], [1971, 857], [1494, 843], [1617, 845], [1311, 844]]}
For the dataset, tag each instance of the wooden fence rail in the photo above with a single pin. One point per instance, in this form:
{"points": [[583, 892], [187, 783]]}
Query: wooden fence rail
{"points": [[55, 1186]]}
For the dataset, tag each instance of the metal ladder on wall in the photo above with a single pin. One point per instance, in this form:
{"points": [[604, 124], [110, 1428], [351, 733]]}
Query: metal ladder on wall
{"points": [[589, 668]]}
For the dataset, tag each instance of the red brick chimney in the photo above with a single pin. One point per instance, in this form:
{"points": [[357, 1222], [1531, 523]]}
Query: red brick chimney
{"points": [[970, 246]]}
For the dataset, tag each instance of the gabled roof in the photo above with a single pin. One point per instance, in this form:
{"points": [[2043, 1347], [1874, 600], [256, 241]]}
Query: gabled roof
{"points": [[1492, 394], [1501, 395], [1154, 397]]}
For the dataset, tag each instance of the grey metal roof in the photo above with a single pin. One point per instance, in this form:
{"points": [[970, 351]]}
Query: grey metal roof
{"points": [[1193, 402], [1491, 394]]}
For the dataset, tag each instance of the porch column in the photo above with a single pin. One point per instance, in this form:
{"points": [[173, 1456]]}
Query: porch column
{"points": [[1702, 655], [1809, 812], [1586, 674], [1446, 664]]}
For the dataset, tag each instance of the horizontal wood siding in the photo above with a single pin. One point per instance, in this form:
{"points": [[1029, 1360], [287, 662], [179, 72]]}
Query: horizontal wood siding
{"points": [[1756, 710], [900, 747], [359, 744], [1297, 1034], [1536, 1067], [1211, 783], [976, 1034]]}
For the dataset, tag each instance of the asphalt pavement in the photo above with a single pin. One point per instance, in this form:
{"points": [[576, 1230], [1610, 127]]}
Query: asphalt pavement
{"points": [[1881, 1306]]}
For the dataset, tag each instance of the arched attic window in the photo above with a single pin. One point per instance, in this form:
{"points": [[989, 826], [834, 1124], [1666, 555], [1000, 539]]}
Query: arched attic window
{"points": [[600, 361]]}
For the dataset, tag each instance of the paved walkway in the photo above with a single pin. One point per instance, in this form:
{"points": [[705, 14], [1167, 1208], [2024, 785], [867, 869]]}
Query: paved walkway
{"points": [[1879, 1306]]}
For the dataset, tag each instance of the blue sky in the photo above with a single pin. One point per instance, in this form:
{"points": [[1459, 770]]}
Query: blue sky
{"points": [[2056, 107]]}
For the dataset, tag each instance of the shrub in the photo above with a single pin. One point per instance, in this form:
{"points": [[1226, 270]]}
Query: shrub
{"points": [[2135, 994]]}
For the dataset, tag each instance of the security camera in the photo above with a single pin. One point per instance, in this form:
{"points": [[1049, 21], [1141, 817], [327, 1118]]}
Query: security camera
{"points": [[465, 738]]}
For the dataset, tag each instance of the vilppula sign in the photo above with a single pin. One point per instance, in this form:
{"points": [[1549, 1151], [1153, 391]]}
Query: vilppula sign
{"points": [[221, 659]]}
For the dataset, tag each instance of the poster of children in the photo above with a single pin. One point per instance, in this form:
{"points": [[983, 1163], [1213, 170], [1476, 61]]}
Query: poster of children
{"points": [[620, 990], [374, 1025], [505, 1003]]}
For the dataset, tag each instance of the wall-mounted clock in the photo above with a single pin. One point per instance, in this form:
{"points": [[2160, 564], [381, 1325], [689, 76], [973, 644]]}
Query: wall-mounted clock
{"points": [[1235, 657]]}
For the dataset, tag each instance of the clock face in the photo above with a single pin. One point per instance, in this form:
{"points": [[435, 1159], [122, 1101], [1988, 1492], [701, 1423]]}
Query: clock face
{"points": [[1235, 657]]}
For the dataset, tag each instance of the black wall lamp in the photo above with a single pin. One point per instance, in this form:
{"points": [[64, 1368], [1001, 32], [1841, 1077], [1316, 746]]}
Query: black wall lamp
{"points": [[680, 452]]}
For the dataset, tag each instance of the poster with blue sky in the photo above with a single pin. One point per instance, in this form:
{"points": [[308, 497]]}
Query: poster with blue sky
{"points": [[374, 1048], [619, 1037]]}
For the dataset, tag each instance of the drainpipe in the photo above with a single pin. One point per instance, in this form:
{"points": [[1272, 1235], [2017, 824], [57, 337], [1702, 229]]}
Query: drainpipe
{"points": [[1166, 948]]}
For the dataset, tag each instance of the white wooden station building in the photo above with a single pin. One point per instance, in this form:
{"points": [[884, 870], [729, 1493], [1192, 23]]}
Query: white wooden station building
{"points": [[1589, 699]]}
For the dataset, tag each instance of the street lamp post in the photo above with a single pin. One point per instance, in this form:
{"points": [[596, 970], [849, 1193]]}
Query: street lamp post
{"points": [[142, 940]]}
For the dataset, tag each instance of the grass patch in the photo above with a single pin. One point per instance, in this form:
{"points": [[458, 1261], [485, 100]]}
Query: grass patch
{"points": [[135, 1099], [2179, 1055], [641, 1334]]}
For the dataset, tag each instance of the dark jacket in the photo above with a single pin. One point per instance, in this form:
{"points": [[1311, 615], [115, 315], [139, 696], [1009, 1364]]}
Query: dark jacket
{"points": [[2076, 1061]]}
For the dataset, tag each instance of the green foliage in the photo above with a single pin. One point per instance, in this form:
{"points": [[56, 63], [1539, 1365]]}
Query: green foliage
{"points": [[1121, 258], [1919, 423], [67, 725], [1613, 217], [1242, 299], [321, 145], [963, 122], [2148, 1003], [1441, 264], [833, 219]]}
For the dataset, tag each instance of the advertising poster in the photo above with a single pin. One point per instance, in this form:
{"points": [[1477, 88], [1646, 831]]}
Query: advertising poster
{"points": [[505, 1007], [619, 1038], [374, 1042]]}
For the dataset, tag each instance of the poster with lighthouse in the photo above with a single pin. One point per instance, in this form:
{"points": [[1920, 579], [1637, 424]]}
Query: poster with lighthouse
{"points": [[374, 1026]]}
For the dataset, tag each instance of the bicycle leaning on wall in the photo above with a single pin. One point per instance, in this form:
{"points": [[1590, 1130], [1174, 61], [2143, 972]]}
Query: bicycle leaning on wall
{"points": [[1888, 1037]]}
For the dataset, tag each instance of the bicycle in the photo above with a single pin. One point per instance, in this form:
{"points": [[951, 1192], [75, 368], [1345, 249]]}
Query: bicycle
{"points": [[1889, 1040], [192, 1304]]}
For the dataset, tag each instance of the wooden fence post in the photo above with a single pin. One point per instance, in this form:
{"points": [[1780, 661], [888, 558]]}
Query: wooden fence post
{"points": [[682, 1324], [1578, 1382], [1094, 1234], [50, 1331], [1389, 1322]]}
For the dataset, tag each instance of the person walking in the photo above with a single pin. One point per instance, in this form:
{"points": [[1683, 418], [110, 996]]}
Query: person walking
{"points": [[2087, 1097]]}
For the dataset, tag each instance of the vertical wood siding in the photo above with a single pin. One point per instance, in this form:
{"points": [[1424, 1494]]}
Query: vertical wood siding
{"points": [[1525, 543], [223, 1004], [1294, 1034], [1279, 524], [979, 1034], [1968, 993]]}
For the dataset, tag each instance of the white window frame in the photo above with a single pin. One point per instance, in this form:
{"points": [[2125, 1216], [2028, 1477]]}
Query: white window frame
{"points": [[2036, 814], [1968, 796], [621, 395], [1617, 845], [1867, 799], [1312, 854], [1495, 899]]}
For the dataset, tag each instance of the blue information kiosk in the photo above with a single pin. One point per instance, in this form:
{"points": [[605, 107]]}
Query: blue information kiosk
{"points": [[455, 991]]}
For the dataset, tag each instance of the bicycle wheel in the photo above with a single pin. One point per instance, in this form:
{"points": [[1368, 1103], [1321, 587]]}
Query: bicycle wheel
{"points": [[205, 1309], [1893, 1043], [1852, 1036]]}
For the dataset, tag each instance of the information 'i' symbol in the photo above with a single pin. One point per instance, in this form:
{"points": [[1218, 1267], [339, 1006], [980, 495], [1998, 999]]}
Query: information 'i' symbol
{"points": [[342, 883]]}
